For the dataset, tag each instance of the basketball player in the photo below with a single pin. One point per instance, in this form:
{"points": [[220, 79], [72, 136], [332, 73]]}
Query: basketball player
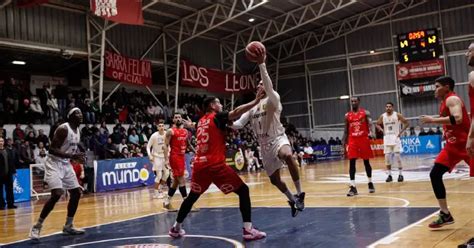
{"points": [[265, 122], [209, 166], [156, 154], [470, 140], [60, 175], [456, 122], [176, 141], [356, 136], [392, 145]]}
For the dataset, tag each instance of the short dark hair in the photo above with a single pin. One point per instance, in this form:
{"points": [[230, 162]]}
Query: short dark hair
{"points": [[207, 101], [391, 103], [446, 80], [356, 97]]}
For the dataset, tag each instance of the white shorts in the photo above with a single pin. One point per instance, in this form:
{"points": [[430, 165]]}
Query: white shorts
{"points": [[387, 149], [158, 163], [59, 174], [270, 159]]}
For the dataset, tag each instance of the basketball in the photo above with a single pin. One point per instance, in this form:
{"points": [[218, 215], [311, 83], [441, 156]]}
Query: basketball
{"points": [[251, 50]]}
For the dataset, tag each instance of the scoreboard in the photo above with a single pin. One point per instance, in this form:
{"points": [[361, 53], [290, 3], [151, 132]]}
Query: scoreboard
{"points": [[418, 45]]}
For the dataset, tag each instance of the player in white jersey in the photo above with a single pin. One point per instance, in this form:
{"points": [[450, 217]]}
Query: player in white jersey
{"points": [[392, 145], [60, 175], [276, 149], [156, 154]]}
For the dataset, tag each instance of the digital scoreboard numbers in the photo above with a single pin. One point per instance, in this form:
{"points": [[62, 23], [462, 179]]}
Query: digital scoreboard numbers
{"points": [[418, 45]]}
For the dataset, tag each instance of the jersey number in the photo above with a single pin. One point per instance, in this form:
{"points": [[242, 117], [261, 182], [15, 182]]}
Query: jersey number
{"points": [[202, 133]]}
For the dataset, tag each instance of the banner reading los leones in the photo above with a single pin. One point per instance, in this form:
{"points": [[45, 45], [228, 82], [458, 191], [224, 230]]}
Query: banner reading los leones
{"points": [[214, 80], [123, 69]]}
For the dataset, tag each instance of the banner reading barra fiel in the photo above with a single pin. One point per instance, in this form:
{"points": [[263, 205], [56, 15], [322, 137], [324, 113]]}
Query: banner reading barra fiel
{"points": [[127, 70], [215, 80]]}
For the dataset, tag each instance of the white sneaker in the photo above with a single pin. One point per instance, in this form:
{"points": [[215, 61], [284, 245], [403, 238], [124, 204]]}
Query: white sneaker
{"points": [[166, 202], [35, 233], [71, 230]]}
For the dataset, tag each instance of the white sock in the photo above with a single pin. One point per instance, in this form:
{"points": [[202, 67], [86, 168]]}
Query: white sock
{"points": [[353, 183], [389, 172], [290, 196], [298, 186], [370, 179], [177, 226], [248, 225], [400, 171]]}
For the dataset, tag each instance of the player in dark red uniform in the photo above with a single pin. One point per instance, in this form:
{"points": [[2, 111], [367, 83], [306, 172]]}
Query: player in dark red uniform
{"points": [[356, 136], [176, 141], [456, 123], [209, 166]]}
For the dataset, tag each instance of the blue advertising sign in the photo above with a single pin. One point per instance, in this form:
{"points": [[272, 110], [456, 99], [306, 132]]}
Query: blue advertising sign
{"points": [[21, 185], [421, 144], [323, 152], [123, 174]]}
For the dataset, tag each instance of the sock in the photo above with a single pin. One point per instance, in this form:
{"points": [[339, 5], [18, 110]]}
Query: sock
{"points": [[171, 192], [69, 221], [248, 225], [400, 171], [389, 172], [183, 191], [290, 196], [370, 179], [177, 226], [298, 186], [353, 183], [40, 222]]}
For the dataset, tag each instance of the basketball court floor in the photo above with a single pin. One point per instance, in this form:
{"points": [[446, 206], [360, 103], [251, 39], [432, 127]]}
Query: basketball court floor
{"points": [[396, 215]]}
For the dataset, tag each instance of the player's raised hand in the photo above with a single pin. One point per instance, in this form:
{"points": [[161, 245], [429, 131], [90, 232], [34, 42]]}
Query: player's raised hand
{"points": [[260, 94], [80, 157], [261, 55]]}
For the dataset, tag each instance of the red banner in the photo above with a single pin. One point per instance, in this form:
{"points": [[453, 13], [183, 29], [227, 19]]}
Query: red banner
{"points": [[123, 69], [422, 69], [30, 3], [122, 11], [377, 147], [215, 80]]}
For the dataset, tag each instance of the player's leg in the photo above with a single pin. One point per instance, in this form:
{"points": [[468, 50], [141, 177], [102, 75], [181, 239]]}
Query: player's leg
{"points": [[275, 179], [352, 172], [286, 153], [171, 191], [182, 186], [74, 196], [47, 208], [366, 153], [388, 162], [436, 176], [368, 171], [398, 160]]}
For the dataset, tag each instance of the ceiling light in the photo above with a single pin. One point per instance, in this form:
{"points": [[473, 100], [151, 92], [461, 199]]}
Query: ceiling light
{"points": [[371, 51], [344, 97], [251, 19], [18, 62]]}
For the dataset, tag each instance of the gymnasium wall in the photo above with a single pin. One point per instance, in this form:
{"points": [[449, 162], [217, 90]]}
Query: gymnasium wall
{"points": [[345, 65]]}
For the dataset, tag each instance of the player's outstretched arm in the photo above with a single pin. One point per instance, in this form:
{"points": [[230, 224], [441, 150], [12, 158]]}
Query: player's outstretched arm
{"points": [[241, 122], [455, 108], [240, 110]]}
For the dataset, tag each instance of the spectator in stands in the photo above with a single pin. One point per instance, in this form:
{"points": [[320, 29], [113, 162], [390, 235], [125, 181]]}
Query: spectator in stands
{"points": [[36, 111], [308, 149], [3, 132], [142, 138], [323, 141], [412, 131], [42, 138], [27, 155], [438, 131], [79, 171], [332, 141], [423, 132], [338, 141], [18, 133], [122, 144], [116, 137], [88, 112], [40, 153], [31, 128], [7, 170], [133, 137], [31, 138], [53, 109], [110, 149], [104, 129], [432, 131], [125, 153]]}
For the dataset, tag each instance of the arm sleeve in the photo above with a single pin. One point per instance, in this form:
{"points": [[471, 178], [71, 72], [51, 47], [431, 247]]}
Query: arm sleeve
{"points": [[240, 123], [221, 119], [273, 96]]}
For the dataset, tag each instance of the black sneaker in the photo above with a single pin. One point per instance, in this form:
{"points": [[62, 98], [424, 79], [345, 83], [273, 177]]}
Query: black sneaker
{"points": [[352, 191], [443, 219], [371, 188], [400, 178], [389, 179], [294, 210], [300, 201]]}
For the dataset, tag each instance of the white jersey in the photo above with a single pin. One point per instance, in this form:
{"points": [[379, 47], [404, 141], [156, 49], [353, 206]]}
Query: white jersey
{"points": [[391, 128], [71, 142], [156, 144], [265, 121]]}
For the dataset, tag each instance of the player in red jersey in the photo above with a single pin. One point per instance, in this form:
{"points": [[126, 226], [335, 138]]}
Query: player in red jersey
{"points": [[356, 136], [456, 123], [176, 141], [209, 165]]}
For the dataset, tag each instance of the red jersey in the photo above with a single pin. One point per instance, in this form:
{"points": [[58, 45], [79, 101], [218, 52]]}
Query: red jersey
{"points": [[455, 134], [178, 142], [210, 141], [358, 126]]}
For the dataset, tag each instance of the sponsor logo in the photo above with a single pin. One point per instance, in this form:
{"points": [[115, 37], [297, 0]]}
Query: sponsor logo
{"points": [[125, 173], [239, 161], [430, 145], [17, 189], [411, 144]]}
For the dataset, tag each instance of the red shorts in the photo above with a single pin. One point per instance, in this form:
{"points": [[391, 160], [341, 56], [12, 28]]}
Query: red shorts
{"points": [[359, 148], [221, 175], [177, 165], [452, 154]]}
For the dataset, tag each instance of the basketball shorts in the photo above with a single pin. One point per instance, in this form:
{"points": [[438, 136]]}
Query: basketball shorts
{"points": [[158, 163], [177, 164], [224, 177], [270, 159], [392, 144], [359, 148], [59, 174], [452, 154]]}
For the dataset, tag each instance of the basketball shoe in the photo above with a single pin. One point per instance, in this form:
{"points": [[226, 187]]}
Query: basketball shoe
{"points": [[443, 219], [253, 234]]}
